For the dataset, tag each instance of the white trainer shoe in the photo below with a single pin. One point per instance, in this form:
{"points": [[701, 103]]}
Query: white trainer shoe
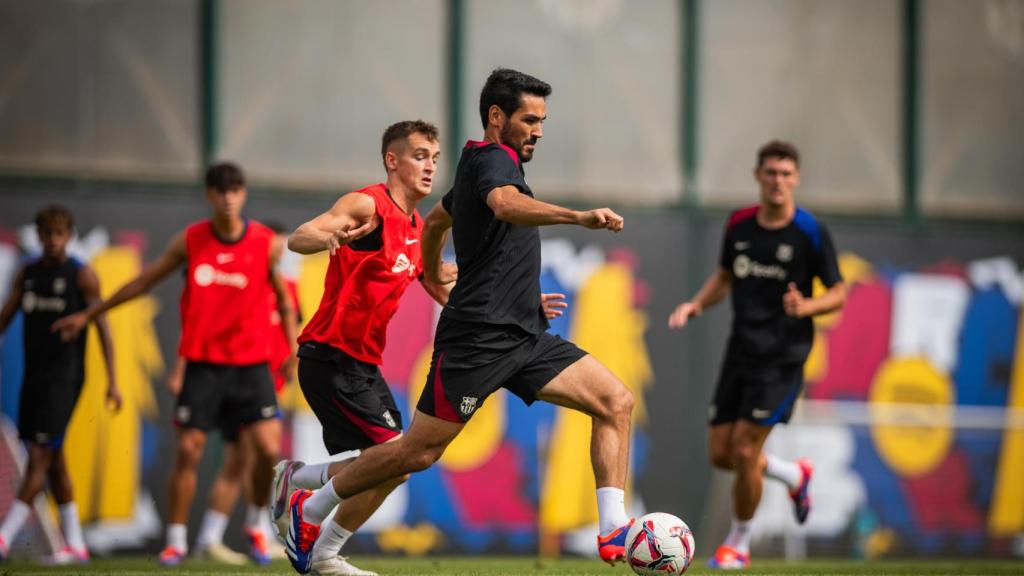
{"points": [[218, 552], [338, 565], [280, 495]]}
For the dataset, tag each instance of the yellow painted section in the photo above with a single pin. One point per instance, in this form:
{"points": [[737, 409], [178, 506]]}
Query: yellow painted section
{"points": [[310, 287], [922, 439], [484, 432], [606, 325], [103, 449], [1006, 515]]}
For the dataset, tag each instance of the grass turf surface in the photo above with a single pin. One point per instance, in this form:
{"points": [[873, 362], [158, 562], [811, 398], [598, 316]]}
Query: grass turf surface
{"points": [[488, 566]]}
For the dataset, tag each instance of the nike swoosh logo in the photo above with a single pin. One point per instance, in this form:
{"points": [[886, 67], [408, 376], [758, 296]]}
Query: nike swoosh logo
{"points": [[409, 241], [758, 413], [742, 245]]}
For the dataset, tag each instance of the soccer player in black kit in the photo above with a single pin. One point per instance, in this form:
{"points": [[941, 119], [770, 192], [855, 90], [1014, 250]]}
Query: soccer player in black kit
{"points": [[492, 331], [770, 255], [46, 289]]}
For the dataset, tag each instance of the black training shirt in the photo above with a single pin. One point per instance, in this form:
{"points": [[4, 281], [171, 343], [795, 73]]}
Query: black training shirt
{"points": [[499, 263], [763, 262]]}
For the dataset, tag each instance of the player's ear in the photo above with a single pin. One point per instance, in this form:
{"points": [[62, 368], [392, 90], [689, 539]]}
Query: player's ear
{"points": [[391, 160], [496, 116]]}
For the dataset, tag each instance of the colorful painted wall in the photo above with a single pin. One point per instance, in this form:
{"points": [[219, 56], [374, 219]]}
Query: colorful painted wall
{"points": [[919, 383], [933, 319]]}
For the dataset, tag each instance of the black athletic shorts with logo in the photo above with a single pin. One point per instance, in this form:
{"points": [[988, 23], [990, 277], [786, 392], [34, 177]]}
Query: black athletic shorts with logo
{"points": [[473, 360], [48, 400], [350, 398], [760, 392], [219, 396]]}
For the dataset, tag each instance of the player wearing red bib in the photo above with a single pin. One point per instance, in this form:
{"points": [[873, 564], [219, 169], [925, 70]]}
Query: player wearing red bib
{"points": [[229, 262], [373, 237]]}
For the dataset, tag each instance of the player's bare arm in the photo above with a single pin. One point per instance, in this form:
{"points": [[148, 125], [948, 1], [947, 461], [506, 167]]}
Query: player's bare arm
{"points": [[13, 300], [435, 233], [172, 258], [509, 205], [352, 217], [798, 306], [89, 283], [714, 290], [289, 321]]}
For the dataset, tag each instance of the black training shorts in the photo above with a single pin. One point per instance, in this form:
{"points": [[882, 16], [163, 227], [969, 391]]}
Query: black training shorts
{"points": [[219, 396], [350, 398], [47, 401], [473, 360], [760, 392]]}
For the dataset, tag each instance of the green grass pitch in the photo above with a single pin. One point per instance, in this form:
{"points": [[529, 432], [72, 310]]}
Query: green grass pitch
{"points": [[490, 566]]}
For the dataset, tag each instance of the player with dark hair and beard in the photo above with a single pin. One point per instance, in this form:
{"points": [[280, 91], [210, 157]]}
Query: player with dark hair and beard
{"points": [[492, 332]]}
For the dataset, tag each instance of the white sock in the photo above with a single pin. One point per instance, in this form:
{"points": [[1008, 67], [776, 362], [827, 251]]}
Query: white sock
{"points": [[785, 471], [739, 536], [72, 526], [332, 538], [16, 518], [311, 476], [253, 517], [212, 529], [177, 535], [320, 504], [611, 509]]}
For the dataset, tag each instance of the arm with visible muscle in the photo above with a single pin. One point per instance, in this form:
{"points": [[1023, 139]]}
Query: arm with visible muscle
{"points": [[285, 307], [171, 259], [512, 206], [90, 286], [352, 217], [714, 290]]}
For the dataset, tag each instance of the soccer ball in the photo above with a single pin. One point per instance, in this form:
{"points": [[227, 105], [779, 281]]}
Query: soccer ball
{"points": [[659, 543]]}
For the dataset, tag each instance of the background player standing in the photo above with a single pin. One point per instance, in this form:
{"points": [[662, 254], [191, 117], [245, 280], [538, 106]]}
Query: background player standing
{"points": [[770, 255], [225, 338], [51, 287], [492, 331]]}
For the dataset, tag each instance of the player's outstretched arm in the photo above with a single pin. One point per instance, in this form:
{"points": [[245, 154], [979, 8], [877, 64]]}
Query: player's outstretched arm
{"points": [[435, 233], [799, 307], [89, 283], [13, 300], [714, 290], [352, 217], [285, 307], [509, 205], [172, 258]]}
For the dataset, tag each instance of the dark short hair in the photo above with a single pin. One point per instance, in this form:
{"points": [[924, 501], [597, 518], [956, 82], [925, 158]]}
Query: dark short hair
{"points": [[505, 88], [402, 130], [55, 215], [224, 176], [778, 149]]}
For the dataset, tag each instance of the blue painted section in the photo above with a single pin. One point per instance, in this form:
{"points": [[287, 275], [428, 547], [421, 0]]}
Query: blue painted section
{"points": [[12, 367]]}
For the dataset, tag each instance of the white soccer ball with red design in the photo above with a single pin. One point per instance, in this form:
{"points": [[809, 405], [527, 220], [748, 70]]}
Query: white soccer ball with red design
{"points": [[659, 543]]}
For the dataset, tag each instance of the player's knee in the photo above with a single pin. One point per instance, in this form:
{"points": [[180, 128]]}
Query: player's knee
{"points": [[721, 458], [745, 456], [423, 459]]}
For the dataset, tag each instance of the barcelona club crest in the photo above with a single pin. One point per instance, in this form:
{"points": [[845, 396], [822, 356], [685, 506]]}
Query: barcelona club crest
{"points": [[468, 405]]}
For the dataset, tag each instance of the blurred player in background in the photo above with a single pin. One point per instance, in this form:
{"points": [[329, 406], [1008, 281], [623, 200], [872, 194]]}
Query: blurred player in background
{"points": [[51, 287], [230, 268], [373, 237], [491, 334], [770, 255], [236, 471]]}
